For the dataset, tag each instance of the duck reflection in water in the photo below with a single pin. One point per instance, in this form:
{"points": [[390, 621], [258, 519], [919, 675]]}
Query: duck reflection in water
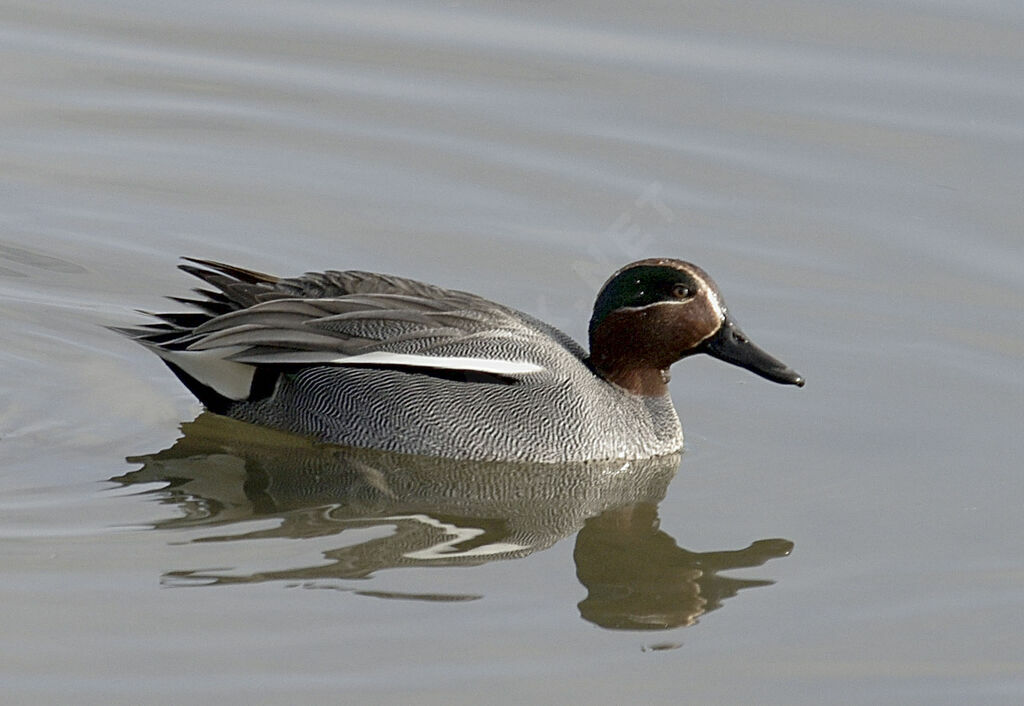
{"points": [[440, 512], [638, 578]]}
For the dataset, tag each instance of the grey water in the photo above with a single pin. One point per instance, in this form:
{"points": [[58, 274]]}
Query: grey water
{"points": [[850, 173]]}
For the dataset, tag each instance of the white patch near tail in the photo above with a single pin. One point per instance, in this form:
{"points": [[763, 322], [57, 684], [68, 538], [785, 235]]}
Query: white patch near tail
{"points": [[228, 378]]}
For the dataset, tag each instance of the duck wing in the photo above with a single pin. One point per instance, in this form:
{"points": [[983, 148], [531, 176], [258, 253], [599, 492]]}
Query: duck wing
{"points": [[250, 319]]}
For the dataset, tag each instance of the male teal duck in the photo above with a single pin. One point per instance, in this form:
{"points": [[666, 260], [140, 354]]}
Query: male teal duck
{"points": [[371, 360]]}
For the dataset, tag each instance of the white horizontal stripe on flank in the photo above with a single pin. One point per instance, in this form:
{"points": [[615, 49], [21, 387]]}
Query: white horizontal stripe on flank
{"points": [[480, 365]]}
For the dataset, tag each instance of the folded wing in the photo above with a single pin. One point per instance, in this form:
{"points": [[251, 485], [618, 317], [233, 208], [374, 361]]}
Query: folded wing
{"points": [[250, 320]]}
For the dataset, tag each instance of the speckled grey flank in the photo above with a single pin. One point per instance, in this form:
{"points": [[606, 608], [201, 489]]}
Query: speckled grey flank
{"points": [[545, 417]]}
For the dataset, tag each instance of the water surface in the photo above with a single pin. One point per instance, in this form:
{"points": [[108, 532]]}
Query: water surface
{"points": [[851, 174]]}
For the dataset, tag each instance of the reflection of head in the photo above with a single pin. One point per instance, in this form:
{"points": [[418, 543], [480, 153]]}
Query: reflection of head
{"points": [[655, 605], [637, 578]]}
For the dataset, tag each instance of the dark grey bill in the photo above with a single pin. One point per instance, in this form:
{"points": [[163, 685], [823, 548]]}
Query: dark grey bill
{"points": [[732, 345]]}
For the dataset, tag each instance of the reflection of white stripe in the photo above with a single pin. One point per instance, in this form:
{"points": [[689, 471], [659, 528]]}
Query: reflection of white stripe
{"points": [[481, 365], [446, 550]]}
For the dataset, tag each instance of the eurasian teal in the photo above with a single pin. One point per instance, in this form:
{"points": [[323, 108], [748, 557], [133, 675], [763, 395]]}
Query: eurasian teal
{"points": [[372, 360]]}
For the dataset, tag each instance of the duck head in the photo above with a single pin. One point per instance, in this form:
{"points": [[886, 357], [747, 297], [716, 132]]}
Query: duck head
{"points": [[654, 312]]}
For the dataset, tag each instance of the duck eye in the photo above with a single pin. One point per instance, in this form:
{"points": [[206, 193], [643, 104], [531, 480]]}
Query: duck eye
{"points": [[680, 291]]}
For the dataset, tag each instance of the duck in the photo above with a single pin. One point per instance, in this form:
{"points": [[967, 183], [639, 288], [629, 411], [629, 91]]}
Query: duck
{"points": [[371, 360]]}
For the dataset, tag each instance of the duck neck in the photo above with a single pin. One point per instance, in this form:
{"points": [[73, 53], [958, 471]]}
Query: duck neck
{"points": [[622, 352], [643, 381]]}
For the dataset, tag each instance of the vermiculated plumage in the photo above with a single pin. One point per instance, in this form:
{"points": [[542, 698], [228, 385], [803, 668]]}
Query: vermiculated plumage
{"points": [[530, 394]]}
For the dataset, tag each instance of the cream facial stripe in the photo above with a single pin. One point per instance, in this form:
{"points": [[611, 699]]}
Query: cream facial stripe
{"points": [[712, 299], [712, 295], [709, 293]]}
